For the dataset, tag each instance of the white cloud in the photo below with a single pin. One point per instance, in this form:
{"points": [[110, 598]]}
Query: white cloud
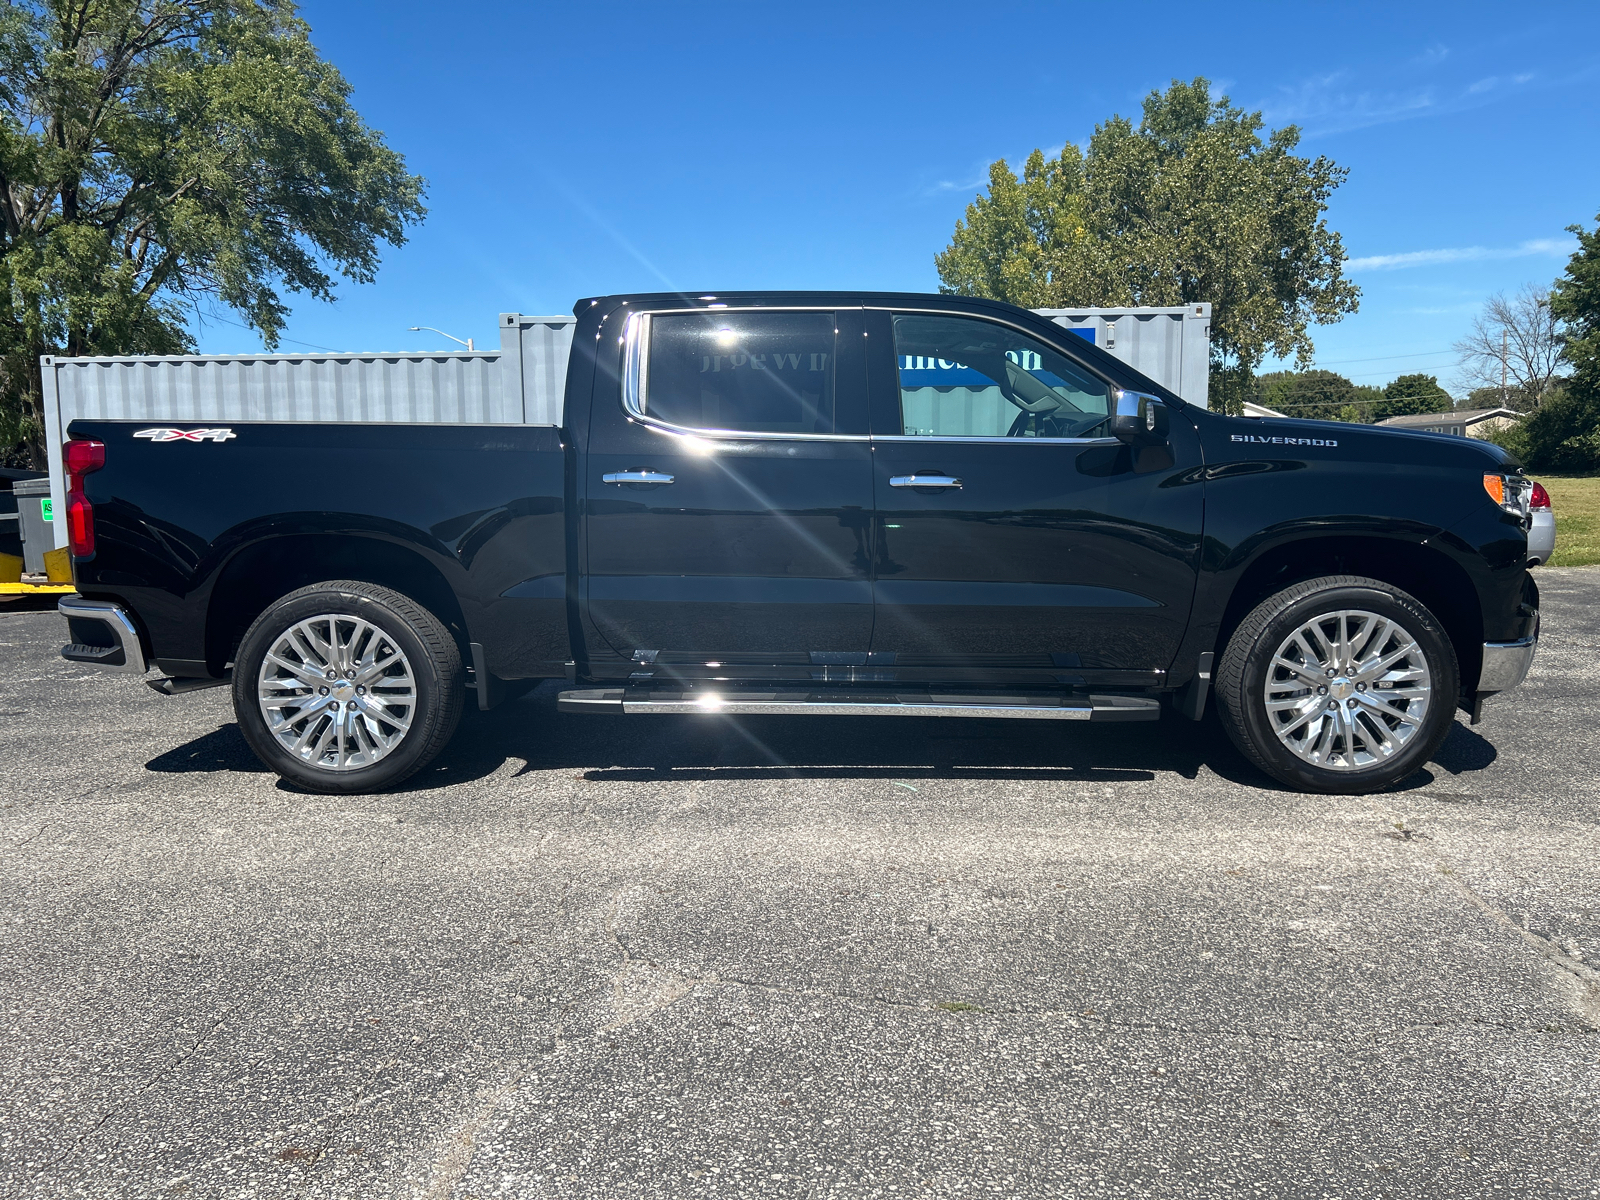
{"points": [[979, 178], [1337, 103], [1541, 247]]}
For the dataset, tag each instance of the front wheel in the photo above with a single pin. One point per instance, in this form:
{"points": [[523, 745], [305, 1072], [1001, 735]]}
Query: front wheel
{"points": [[347, 687], [1341, 684]]}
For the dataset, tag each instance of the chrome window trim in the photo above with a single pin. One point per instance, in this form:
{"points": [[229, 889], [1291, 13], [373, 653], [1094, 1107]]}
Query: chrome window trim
{"points": [[997, 440], [636, 379], [1111, 388]]}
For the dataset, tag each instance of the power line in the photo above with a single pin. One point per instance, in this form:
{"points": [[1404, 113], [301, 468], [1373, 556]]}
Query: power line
{"points": [[247, 329], [1386, 357]]}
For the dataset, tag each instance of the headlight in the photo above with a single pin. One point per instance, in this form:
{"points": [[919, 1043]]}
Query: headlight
{"points": [[1510, 492]]}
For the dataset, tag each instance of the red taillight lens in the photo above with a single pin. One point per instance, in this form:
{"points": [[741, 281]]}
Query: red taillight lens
{"points": [[1541, 498], [81, 456], [80, 525]]}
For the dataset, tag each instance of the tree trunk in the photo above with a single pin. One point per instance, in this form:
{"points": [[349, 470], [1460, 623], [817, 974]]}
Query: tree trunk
{"points": [[38, 453]]}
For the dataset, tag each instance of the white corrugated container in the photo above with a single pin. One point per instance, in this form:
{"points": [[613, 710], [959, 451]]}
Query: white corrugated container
{"points": [[1170, 345], [521, 384]]}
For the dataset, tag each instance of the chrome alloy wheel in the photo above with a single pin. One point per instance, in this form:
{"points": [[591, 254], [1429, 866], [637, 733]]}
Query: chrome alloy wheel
{"points": [[337, 692], [1348, 689]]}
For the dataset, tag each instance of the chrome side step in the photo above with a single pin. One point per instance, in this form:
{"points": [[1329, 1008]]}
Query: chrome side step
{"points": [[841, 702]]}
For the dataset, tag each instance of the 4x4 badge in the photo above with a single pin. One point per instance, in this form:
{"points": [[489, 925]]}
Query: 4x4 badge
{"points": [[186, 435]]}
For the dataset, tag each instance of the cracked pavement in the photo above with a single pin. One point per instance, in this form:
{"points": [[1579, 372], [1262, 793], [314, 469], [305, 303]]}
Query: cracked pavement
{"points": [[670, 957]]}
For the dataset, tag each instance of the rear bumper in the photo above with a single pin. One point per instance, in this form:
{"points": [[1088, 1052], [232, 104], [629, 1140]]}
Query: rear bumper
{"points": [[103, 634], [1541, 536], [1505, 664]]}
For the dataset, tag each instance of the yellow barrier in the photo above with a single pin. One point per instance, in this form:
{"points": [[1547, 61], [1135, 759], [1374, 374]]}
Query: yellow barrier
{"points": [[10, 568], [35, 589], [58, 565]]}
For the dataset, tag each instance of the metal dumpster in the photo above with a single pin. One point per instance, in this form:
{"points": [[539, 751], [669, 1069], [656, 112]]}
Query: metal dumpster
{"points": [[35, 512]]}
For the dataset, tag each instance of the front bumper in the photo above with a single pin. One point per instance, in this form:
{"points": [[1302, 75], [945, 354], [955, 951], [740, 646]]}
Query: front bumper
{"points": [[1505, 664], [103, 634]]}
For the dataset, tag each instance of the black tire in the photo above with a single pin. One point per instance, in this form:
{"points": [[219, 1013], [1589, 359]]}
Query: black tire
{"points": [[435, 671], [1242, 678]]}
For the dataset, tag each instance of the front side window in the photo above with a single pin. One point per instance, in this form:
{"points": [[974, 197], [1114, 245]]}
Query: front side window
{"points": [[750, 372], [965, 377]]}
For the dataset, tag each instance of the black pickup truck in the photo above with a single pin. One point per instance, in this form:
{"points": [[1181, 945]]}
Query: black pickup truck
{"points": [[814, 504]]}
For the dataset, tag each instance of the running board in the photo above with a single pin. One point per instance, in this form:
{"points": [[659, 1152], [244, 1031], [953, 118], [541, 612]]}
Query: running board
{"points": [[840, 702]]}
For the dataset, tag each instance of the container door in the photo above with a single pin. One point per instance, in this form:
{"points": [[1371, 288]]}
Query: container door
{"points": [[729, 491], [1012, 533]]}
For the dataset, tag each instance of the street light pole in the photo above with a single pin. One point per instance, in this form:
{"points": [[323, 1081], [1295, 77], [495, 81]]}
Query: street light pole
{"points": [[441, 333]]}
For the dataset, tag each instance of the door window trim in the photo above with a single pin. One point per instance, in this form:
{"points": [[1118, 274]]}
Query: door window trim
{"points": [[892, 310], [636, 378]]}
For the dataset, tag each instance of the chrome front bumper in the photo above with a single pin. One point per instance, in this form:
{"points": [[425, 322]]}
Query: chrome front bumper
{"points": [[1505, 664], [103, 634]]}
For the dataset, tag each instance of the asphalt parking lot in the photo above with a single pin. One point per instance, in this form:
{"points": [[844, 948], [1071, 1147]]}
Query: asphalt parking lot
{"points": [[654, 956]]}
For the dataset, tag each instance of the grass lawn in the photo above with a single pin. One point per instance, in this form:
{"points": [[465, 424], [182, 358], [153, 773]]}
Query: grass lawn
{"points": [[1576, 501]]}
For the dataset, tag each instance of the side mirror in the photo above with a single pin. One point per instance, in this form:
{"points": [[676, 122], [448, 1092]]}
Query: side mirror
{"points": [[1138, 418]]}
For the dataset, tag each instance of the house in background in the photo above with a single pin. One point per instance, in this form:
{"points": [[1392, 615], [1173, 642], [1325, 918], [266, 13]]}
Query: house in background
{"points": [[1469, 422], [1252, 409]]}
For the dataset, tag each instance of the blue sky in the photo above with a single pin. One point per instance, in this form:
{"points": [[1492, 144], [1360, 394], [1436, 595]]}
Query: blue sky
{"points": [[576, 149]]}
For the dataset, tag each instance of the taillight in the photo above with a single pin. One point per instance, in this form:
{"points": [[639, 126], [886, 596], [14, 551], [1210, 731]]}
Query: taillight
{"points": [[1541, 498], [81, 456]]}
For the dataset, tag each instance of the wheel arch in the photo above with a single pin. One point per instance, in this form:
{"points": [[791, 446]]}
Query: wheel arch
{"points": [[266, 570], [1428, 574]]}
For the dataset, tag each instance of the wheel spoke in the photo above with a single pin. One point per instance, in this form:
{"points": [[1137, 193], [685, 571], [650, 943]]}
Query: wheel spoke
{"points": [[1315, 679], [1371, 701], [301, 672]]}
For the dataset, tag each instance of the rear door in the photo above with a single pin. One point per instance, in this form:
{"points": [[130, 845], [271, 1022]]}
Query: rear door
{"points": [[729, 491], [1012, 534]]}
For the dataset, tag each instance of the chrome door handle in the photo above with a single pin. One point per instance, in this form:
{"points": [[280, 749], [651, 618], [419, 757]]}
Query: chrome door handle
{"points": [[939, 481], [637, 477]]}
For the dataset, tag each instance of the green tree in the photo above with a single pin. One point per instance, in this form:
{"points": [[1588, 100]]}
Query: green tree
{"points": [[1564, 434], [158, 155], [1413, 395], [1316, 395], [1193, 204]]}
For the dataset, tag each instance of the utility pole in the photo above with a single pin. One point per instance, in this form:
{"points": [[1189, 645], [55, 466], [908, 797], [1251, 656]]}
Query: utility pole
{"points": [[1502, 368]]}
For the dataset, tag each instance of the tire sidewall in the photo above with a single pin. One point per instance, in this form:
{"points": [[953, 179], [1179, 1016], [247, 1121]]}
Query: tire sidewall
{"points": [[290, 611], [1436, 649]]}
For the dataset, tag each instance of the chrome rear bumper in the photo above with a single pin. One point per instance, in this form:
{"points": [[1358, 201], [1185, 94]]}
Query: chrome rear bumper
{"points": [[103, 634]]}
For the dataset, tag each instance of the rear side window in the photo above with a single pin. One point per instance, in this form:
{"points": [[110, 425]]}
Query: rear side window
{"points": [[748, 372], [970, 378]]}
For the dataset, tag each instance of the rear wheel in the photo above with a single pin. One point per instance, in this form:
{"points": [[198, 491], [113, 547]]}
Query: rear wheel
{"points": [[347, 687], [1341, 684]]}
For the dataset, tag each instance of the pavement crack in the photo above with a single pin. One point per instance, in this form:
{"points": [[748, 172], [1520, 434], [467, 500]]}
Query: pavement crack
{"points": [[1545, 947], [143, 1088], [1584, 976], [451, 1167]]}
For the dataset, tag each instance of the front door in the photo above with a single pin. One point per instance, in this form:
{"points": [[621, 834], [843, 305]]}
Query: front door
{"points": [[729, 493], [1012, 534]]}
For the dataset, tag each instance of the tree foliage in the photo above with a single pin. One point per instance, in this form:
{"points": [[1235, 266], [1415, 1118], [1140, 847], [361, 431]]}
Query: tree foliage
{"points": [[1413, 395], [1193, 204], [1564, 435], [1315, 395], [156, 155]]}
